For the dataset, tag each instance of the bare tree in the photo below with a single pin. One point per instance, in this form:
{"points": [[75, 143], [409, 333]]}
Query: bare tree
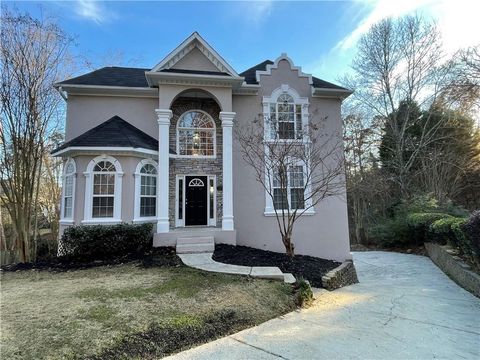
{"points": [[399, 67], [297, 173], [32, 57], [463, 90]]}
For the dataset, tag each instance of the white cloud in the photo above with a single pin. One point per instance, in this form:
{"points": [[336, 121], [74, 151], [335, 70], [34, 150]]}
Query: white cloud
{"points": [[92, 10], [456, 21], [257, 11]]}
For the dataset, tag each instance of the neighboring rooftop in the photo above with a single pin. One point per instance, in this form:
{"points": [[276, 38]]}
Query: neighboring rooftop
{"points": [[135, 77], [114, 132]]}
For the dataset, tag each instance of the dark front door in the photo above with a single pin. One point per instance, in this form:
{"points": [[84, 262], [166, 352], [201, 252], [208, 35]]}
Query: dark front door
{"points": [[196, 200]]}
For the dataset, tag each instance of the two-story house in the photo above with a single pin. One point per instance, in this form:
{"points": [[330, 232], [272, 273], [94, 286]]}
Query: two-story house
{"points": [[157, 145]]}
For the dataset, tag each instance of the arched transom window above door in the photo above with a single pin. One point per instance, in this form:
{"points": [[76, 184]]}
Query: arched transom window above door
{"points": [[196, 134]]}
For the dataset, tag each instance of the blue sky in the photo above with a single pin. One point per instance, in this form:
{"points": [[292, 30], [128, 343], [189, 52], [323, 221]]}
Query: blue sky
{"points": [[320, 36]]}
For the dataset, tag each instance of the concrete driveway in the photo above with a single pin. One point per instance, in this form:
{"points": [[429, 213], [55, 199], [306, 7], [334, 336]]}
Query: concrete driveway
{"points": [[403, 308]]}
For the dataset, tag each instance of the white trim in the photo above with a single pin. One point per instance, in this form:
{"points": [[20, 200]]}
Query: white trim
{"points": [[214, 130], [270, 213], [269, 208], [227, 143], [117, 202], [163, 118], [64, 220], [195, 40], [105, 90], [298, 100], [101, 221], [270, 67], [105, 149], [138, 182]]}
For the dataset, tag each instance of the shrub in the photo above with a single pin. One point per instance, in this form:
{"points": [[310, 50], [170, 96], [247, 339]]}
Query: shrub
{"points": [[442, 231], [418, 224], [390, 232], [471, 229], [304, 293], [101, 242]]}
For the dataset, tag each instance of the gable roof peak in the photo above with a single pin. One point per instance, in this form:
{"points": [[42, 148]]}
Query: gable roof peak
{"points": [[195, 40]]}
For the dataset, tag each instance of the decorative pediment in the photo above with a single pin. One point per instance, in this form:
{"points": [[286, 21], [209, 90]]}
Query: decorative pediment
{"points": [[270, 67], [195, 54]]}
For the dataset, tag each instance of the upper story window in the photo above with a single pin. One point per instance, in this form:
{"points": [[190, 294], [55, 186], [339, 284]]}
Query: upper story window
{"points": [[285, 114], [286, 118], [196, 134], [103, 190], [68, 190], [146, 190]]}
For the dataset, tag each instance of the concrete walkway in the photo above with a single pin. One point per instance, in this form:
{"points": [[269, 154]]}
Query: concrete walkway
{"points": [[204, 261], [403, 308]]}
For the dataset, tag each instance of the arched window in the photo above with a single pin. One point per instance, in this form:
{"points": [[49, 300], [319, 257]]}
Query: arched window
{"points": [[286, 118], [68, 190], [103, 190], [196, 134], [145, 190]]}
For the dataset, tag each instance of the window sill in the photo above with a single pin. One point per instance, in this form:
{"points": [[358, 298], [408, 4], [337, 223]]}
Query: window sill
{"points": [[193, 157], [272, 213], [145, 220], [66, 222], [102, 221]]}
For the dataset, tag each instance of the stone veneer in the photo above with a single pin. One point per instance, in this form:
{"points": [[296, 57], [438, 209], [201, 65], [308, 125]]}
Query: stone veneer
{"points": [[195, 166]]}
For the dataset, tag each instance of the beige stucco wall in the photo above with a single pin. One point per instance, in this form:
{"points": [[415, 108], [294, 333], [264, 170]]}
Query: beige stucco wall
{"points": [[324, 234], [195, 60], [86, 112]]}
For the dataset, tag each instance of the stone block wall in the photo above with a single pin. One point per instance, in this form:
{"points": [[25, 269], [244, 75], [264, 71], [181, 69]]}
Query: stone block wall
{"points": [[195, 166], [341, 276]]}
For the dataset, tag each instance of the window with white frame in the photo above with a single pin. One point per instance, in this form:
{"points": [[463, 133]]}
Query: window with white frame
{"points": [[146, 190], [289, 188], [286, 118], [196, 134], [286, 114], [103, 190], [103, 199], [68, 189]]}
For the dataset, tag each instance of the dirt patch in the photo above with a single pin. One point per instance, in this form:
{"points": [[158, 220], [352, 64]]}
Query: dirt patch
{"points": [[301, 266]]}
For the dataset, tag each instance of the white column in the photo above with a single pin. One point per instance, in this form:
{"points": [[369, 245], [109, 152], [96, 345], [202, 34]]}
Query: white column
{"points": [[164, 116], [227, 125]]}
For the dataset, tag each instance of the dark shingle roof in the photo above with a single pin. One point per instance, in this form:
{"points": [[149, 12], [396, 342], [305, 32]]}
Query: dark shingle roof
{"points": [[250, 74], [114, 132], [250, 77], [135, 77], [111, 76]]}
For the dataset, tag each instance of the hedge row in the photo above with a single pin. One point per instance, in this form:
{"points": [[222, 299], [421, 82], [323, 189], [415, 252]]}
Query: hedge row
{"points": [[461, 233], [101, 242]]}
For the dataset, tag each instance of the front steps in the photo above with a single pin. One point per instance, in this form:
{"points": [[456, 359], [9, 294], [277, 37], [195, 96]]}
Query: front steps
{"points": [[195, 245]]}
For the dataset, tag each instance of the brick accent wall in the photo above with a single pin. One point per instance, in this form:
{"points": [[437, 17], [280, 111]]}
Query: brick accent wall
{"points": [[195, 166]]}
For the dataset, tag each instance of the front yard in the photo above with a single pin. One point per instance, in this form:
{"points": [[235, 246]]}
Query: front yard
{"points": [[128, 311]]}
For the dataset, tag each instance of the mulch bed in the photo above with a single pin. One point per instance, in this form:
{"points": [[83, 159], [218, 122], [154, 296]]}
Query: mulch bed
{"points": [[301, 266], [162, 256]]}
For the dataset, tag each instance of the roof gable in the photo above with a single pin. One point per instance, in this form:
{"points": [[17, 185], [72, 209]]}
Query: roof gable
{"points": [[196, 44]]}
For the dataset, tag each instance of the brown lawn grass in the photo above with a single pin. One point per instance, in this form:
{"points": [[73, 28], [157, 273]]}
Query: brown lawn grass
{"points": [[82, 313]]}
